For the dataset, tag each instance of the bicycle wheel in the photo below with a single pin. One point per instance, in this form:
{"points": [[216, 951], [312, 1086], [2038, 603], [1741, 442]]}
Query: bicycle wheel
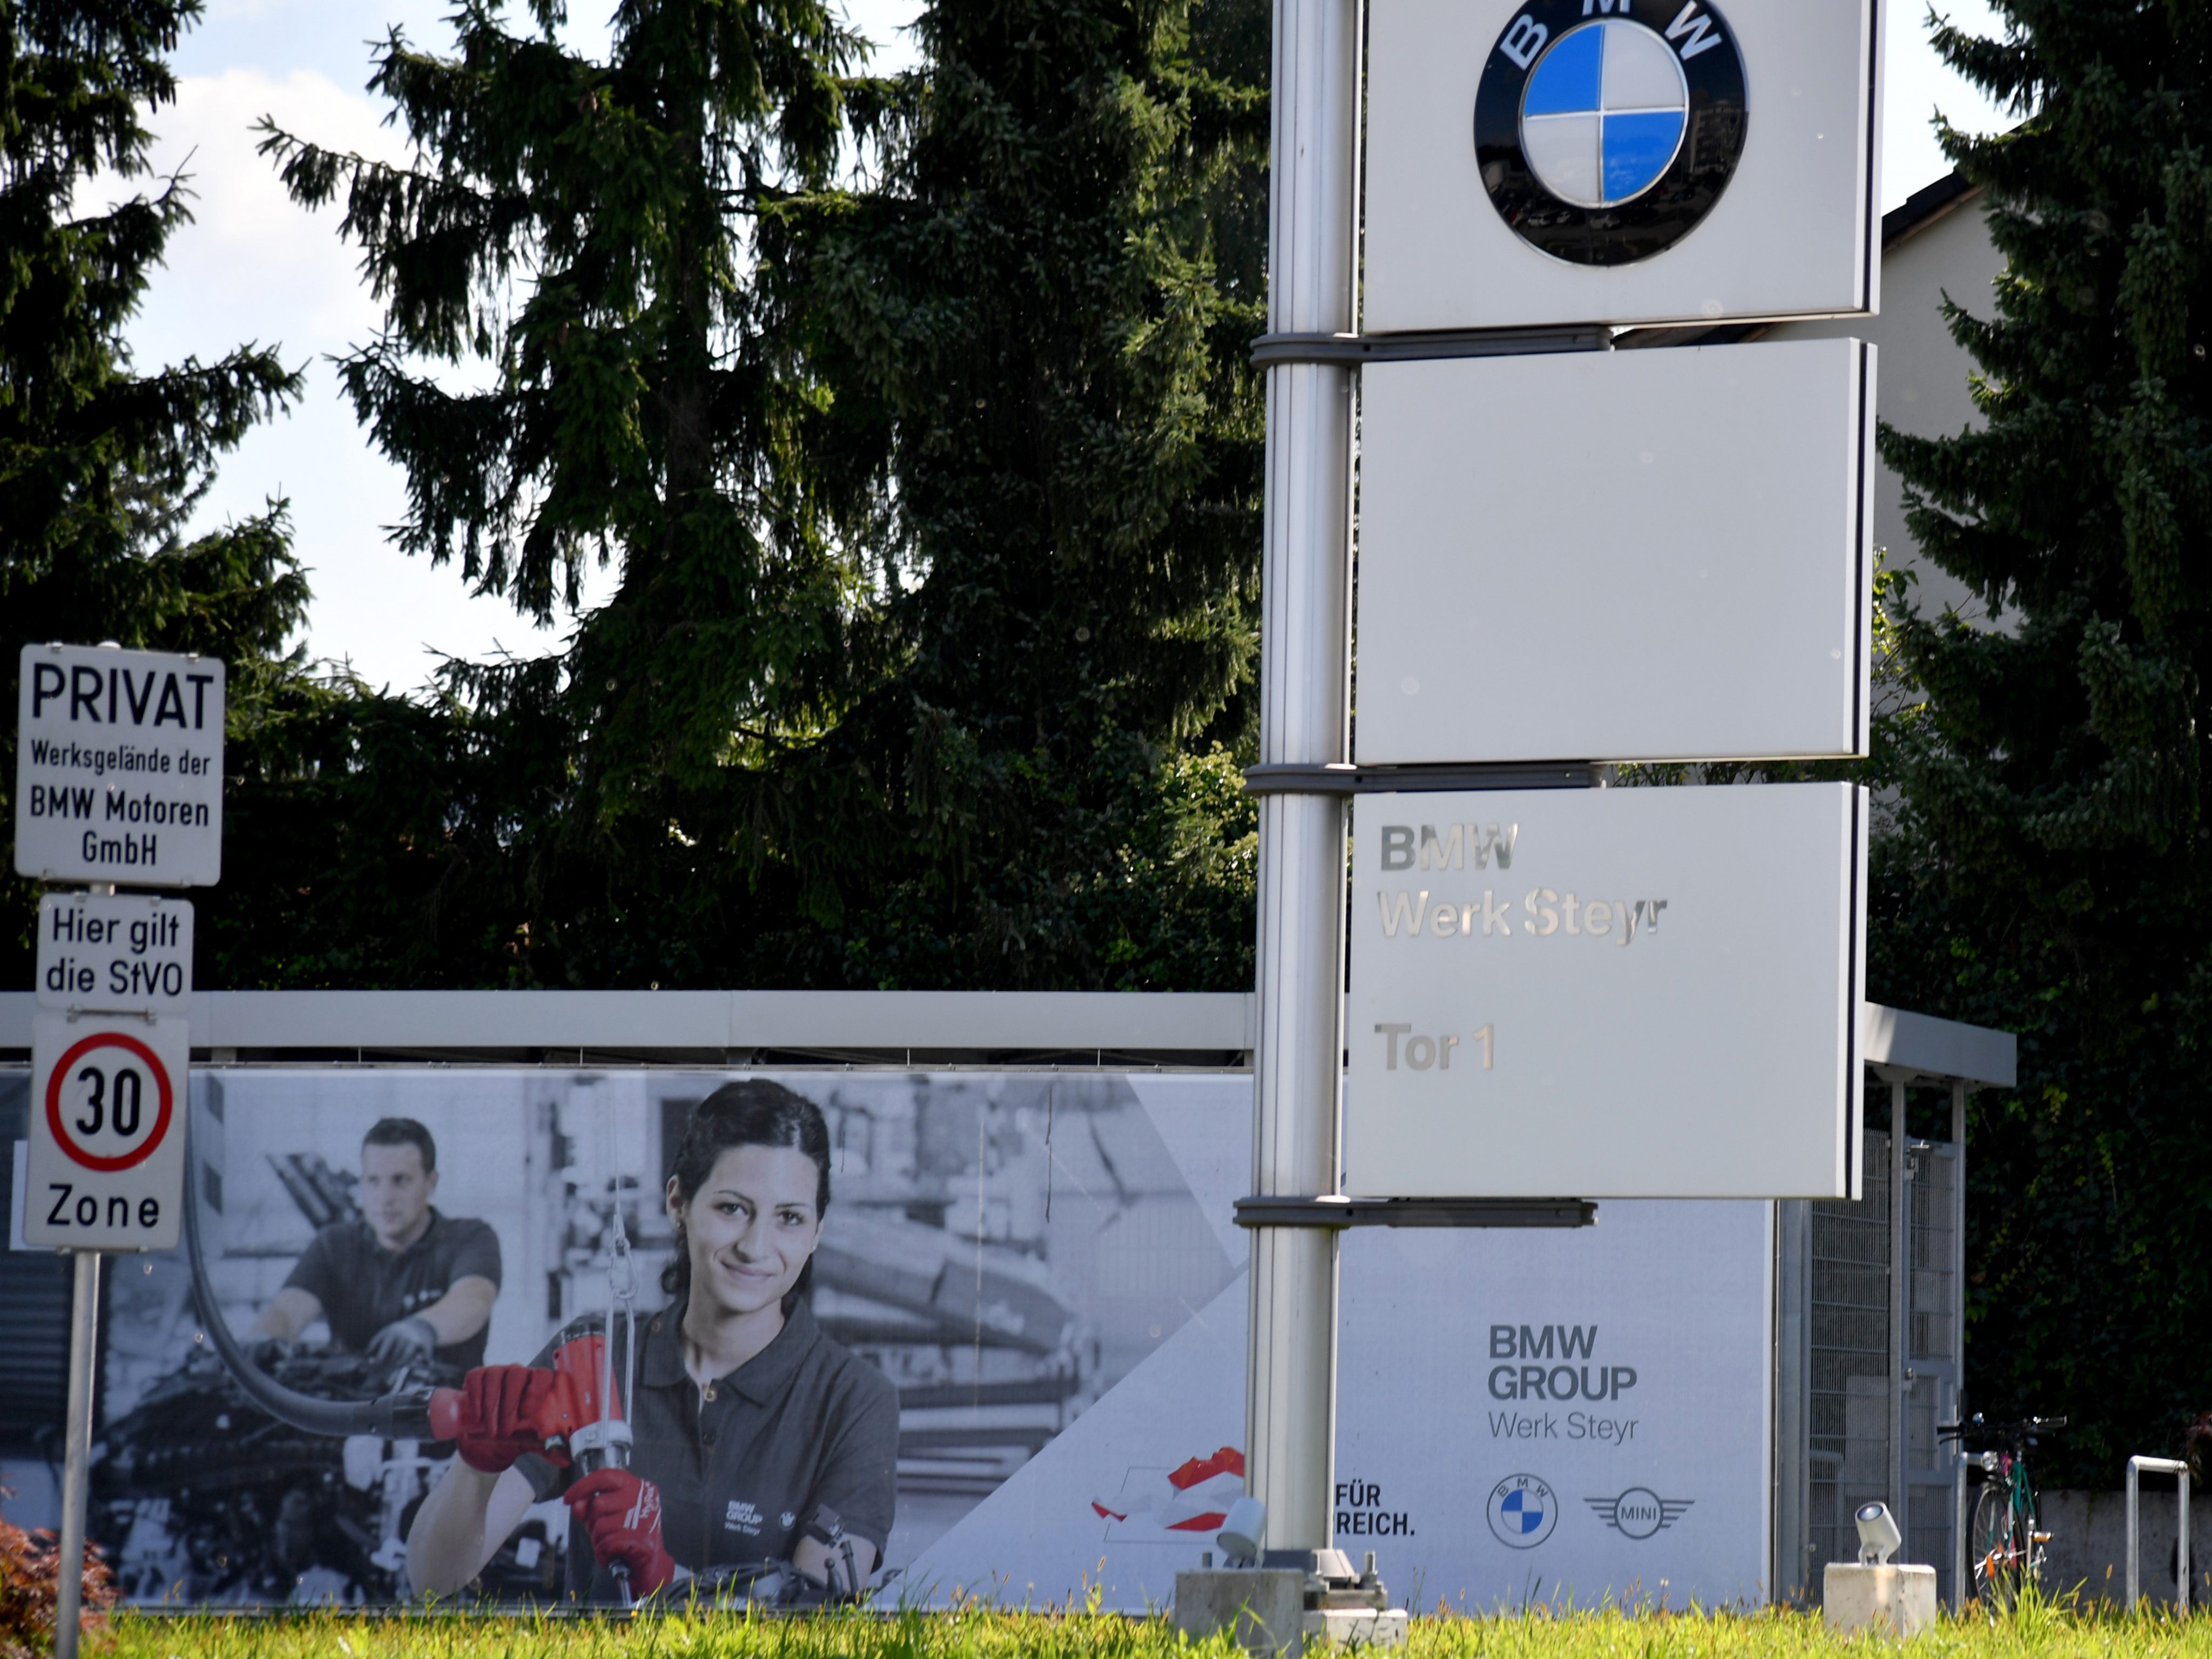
{"points": [[1998, 1547]]}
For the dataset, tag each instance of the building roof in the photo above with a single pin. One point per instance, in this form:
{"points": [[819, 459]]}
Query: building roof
{"points": [[1926, 207]]}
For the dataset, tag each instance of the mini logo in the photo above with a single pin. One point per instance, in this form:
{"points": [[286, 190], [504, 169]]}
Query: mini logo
{"points": [[1523, 1511], [1639, 1511], [1606, 129], [787, 1517]]}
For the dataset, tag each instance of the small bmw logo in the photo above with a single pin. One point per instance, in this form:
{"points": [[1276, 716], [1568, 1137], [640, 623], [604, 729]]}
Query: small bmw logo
{"points": [[1605, 135], [1523, 1511]]}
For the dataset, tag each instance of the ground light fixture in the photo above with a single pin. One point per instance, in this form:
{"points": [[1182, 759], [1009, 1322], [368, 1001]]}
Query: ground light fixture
{"points": [[1879, 1537], [1244, 1532]]}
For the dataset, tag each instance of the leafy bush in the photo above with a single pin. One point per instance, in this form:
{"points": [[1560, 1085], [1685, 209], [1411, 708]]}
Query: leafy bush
{"points": [[30, 1580]]}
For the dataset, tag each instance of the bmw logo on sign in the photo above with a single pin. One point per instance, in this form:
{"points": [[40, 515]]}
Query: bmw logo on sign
{"points": [[1606, 129], [1523, 1511]]}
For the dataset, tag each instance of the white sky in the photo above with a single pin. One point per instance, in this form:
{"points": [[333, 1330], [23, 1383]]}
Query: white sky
{"points": [[254, 267]]}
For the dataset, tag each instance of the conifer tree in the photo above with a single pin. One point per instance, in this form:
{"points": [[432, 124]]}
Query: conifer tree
{"points": [[101, 465], [1034, 325], [2055, 866], [574, 231], [932, 493]]}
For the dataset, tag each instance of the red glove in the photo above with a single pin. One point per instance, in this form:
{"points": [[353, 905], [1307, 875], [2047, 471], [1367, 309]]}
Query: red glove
{"points": [[500, 1406], [622, 1513]]}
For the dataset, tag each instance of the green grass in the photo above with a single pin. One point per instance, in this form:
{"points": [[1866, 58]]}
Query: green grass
{"points": [[2043, 1631]]}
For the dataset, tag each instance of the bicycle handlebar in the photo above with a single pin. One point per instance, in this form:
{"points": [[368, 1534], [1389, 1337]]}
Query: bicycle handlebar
{"points": [[2019, 1427]]}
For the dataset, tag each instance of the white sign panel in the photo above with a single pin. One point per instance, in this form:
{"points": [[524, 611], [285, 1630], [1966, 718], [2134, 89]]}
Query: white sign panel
{"points": [[1585, 1418], [115, 953], [107, 1133], [1533, 163], [1608, 993], [119, 767], [1646, 555]]}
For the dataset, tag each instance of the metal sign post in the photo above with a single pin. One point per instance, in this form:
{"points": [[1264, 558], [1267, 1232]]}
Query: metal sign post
{"points": [[1291, 1399], [68, 1569], [118, 777]]}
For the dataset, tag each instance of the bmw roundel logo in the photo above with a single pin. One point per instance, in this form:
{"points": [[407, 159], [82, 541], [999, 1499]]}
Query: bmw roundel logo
{"points": [[1523, 1511], [1606, 129]]}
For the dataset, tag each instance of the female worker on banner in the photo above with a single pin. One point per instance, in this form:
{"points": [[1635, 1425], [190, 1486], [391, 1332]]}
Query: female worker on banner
{"points": [[756, 1438]]}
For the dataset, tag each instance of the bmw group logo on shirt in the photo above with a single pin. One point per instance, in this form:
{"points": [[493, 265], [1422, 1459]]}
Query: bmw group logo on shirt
{"points": [[1606, 129], [1523, 1511]]}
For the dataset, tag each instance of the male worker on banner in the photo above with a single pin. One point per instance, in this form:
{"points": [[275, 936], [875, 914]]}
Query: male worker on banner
{"points": [[402, 1282]]}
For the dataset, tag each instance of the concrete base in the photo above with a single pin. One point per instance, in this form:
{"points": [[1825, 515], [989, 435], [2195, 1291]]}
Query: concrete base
{"points": [[1356, 1627], [1896, 1601], [1264, 1607]]}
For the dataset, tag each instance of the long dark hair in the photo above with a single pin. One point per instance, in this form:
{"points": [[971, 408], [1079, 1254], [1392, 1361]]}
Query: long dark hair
{"points": [[752, 1112]]}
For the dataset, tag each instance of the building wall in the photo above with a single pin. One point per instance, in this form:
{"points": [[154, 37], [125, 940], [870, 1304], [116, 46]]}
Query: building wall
{"points": [[1923, 374], [2088, 1548]]}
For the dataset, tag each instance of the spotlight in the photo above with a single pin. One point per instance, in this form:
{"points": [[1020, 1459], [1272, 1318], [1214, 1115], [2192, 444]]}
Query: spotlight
{"points": [[1878, 1535], [1243, 1533]]}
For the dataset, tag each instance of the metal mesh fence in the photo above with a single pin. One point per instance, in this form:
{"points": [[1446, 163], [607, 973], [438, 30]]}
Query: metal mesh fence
{"points": [[1850, 1414], [1932, 1357], [1849, 1419]]}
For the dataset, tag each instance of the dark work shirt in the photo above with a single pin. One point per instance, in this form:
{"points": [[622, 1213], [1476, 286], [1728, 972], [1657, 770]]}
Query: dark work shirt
{"points": [[364, 1287], [803, 1425]]}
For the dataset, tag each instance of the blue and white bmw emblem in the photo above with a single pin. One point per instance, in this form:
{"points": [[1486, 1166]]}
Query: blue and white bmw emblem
{"points": [[1523, 1511], [1606, 129]]}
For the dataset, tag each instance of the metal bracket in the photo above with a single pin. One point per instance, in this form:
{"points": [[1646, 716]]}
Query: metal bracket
{"points": [[1340, 778], [1351, 350], [1269, 1211]]}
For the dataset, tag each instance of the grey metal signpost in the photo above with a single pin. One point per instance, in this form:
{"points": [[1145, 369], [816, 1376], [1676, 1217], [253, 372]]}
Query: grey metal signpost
{"points": [[118, 778], [1304, 722], [77, 1446]]}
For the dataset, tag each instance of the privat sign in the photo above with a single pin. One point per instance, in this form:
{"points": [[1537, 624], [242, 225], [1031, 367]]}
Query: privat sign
{"points": [[118, 766]]}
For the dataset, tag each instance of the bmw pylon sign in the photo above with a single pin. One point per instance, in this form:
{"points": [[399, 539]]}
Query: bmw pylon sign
{"points": [[1604, 140], [1538, 162]]}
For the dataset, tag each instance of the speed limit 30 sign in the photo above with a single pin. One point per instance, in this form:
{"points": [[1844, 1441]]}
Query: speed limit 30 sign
{"points": [[107, 1133]]}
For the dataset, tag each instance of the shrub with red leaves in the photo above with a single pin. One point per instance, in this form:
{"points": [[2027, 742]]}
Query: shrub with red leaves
{"points": [[2197, 1447], [29, 1582]]}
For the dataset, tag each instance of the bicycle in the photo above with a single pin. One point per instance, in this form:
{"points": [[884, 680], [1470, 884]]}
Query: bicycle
{"points": [[2001, 1537]]}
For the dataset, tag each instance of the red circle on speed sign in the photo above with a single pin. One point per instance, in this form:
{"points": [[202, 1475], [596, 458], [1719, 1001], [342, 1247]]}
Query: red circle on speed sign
{"points": [[77, 1051]]}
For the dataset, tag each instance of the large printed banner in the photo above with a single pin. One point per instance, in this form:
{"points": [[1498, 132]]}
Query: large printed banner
{"points": [[1045, 1268]]}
